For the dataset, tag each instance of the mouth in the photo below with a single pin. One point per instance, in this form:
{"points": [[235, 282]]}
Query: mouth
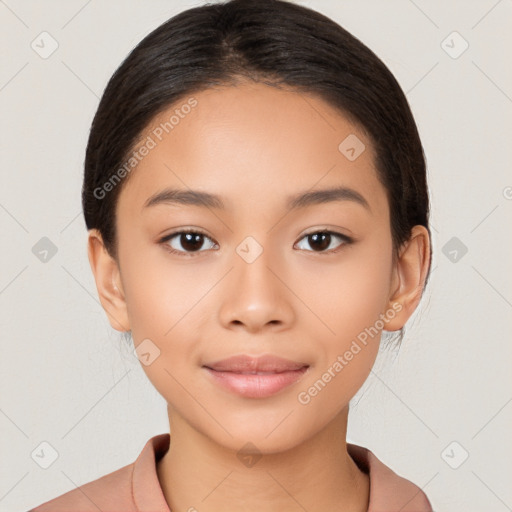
{"points": [[255, 377]]}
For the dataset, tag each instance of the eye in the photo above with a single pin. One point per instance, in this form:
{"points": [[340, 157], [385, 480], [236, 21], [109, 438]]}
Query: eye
{"points": [[321, 240], [185, 242], [188, 242]]}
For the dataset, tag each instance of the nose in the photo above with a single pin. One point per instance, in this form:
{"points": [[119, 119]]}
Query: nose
{"points": [[255, 297]]}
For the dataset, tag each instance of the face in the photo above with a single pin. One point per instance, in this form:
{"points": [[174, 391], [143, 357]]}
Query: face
{"points": [[306, 281]]}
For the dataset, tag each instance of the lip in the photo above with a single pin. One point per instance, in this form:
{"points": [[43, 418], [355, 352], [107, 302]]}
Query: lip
{"points": [[256, 377]]}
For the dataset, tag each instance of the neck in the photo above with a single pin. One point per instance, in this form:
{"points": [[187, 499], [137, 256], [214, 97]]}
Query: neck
{"points": [[197, 474]]}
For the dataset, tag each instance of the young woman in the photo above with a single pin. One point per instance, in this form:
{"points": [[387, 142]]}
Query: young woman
{"points": [[256, 199]]}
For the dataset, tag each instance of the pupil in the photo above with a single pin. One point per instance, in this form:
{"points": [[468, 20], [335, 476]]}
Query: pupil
{"points": [[193, 241], [324, 238]]}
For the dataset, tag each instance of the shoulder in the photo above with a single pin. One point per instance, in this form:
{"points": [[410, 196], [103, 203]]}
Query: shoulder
{"points": [[388, 490], [132, 488], [109, 492]]}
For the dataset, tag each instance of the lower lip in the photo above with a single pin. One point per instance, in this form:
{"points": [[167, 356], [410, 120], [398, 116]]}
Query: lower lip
{"points": [[256, 386]]}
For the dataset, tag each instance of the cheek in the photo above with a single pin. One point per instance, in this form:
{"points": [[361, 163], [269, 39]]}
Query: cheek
{"points": [[162, 302], [165, 301], [352, 310], [350, 299], [350, 294], [159, 292]]}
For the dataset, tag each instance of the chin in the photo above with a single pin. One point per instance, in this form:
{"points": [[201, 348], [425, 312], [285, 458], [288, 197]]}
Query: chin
{"points": [[266, 432]]}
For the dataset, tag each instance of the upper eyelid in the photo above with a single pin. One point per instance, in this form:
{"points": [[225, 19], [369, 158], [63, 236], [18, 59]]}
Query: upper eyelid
{"points": [[199, 232], [182, 231]]}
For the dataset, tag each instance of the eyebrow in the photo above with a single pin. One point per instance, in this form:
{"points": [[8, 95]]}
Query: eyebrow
{"points": [[189, 197]]}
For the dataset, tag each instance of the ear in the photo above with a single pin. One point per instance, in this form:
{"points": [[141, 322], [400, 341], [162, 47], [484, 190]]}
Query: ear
{"points": [[108, 282], [409, 275]]}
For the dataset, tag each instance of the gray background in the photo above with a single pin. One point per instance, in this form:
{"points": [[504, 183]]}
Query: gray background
{"points": [[68, 379]]}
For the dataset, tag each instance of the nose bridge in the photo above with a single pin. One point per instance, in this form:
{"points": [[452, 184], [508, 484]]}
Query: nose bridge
{"points": [[253, 276], [250, 250]]}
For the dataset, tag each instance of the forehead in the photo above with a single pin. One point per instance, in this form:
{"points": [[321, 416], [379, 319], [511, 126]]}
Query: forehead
{"points": [[253, 144]]}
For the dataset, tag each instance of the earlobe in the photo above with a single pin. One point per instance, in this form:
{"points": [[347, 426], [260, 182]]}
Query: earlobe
{"points": [[409, 276], [108, 282]]}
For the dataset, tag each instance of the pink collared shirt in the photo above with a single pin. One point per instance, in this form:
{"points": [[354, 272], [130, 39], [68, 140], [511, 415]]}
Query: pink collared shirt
{"points": [[136, 488]]}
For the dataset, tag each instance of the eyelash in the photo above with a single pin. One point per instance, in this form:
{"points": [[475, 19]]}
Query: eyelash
{"points": [[346, 241]]}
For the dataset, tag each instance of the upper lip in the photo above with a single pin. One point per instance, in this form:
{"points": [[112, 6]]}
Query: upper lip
{"points": [[249, 364]]}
